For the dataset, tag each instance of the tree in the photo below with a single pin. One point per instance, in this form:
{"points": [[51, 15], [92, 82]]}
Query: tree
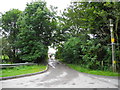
{"points": [[10, 30], [91, 18], [37, 24], [5, 49]]}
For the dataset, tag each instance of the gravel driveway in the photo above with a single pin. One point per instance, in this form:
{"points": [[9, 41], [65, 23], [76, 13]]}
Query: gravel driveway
{"points": [[61, 76]]}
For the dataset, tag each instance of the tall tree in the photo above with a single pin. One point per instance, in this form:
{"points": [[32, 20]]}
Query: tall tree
{"points": [[37, 24], [10, 29], [92, 18]]}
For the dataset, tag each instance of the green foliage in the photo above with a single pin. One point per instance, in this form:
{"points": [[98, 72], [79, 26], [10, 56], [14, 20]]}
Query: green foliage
{"points": [[30, 48], [10, 31], [28, 34], [93, 54], [89, 18], [92, 18], [5, 47], [3, 57], [71, 51], [9, 20], [37, 24], [38, 20], [89, 54]]}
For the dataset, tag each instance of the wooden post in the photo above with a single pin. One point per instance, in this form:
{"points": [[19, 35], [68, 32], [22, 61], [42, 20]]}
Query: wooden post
{"points": [[113, 46]]}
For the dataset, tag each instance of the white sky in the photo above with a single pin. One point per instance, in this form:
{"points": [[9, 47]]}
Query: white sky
{"points": [[51, 50], [6, 5]]}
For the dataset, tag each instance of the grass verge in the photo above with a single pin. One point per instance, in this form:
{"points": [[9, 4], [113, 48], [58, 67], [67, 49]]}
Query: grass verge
{"points": [[20, 70], [95, 72]]}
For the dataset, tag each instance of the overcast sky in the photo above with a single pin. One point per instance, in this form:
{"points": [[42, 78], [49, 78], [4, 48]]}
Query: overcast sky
{"points": [[6, 5]]}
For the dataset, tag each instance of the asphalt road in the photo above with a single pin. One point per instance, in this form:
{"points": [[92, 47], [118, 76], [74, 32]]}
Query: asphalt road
{"points": [[61, 76]]}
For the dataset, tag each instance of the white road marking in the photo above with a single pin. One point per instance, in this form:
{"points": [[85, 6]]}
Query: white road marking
{"points": [[51, 63], [56, 79], [62, 75]]}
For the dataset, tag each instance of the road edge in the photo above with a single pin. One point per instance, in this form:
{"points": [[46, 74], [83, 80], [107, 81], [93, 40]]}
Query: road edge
{"points": [[24, 75], [113, 77]]}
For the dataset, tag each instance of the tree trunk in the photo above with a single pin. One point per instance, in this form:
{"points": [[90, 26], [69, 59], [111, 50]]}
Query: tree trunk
{"points": [[116, 29]]}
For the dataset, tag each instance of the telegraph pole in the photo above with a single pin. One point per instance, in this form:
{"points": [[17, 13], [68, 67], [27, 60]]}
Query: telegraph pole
{"points": [[113, 46]]}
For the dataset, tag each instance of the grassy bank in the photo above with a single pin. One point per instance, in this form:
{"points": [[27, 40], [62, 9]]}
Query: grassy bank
{"points": [[95, 72], [22, 70]]}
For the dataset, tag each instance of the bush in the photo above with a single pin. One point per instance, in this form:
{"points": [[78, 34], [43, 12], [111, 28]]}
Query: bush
{"points": [[71, 51], [4, 58], [92, 54], [33, 51], [88, 53]]}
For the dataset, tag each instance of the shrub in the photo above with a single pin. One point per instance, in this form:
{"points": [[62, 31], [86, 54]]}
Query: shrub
{"points": [[90, 53]]}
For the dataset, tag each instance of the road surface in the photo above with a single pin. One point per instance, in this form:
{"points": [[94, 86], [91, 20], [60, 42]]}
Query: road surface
{"points": [[61, 76]]}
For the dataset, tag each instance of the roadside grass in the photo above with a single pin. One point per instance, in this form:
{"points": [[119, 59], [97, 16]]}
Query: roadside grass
{"points": [[19, 70], [95, 72]]}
